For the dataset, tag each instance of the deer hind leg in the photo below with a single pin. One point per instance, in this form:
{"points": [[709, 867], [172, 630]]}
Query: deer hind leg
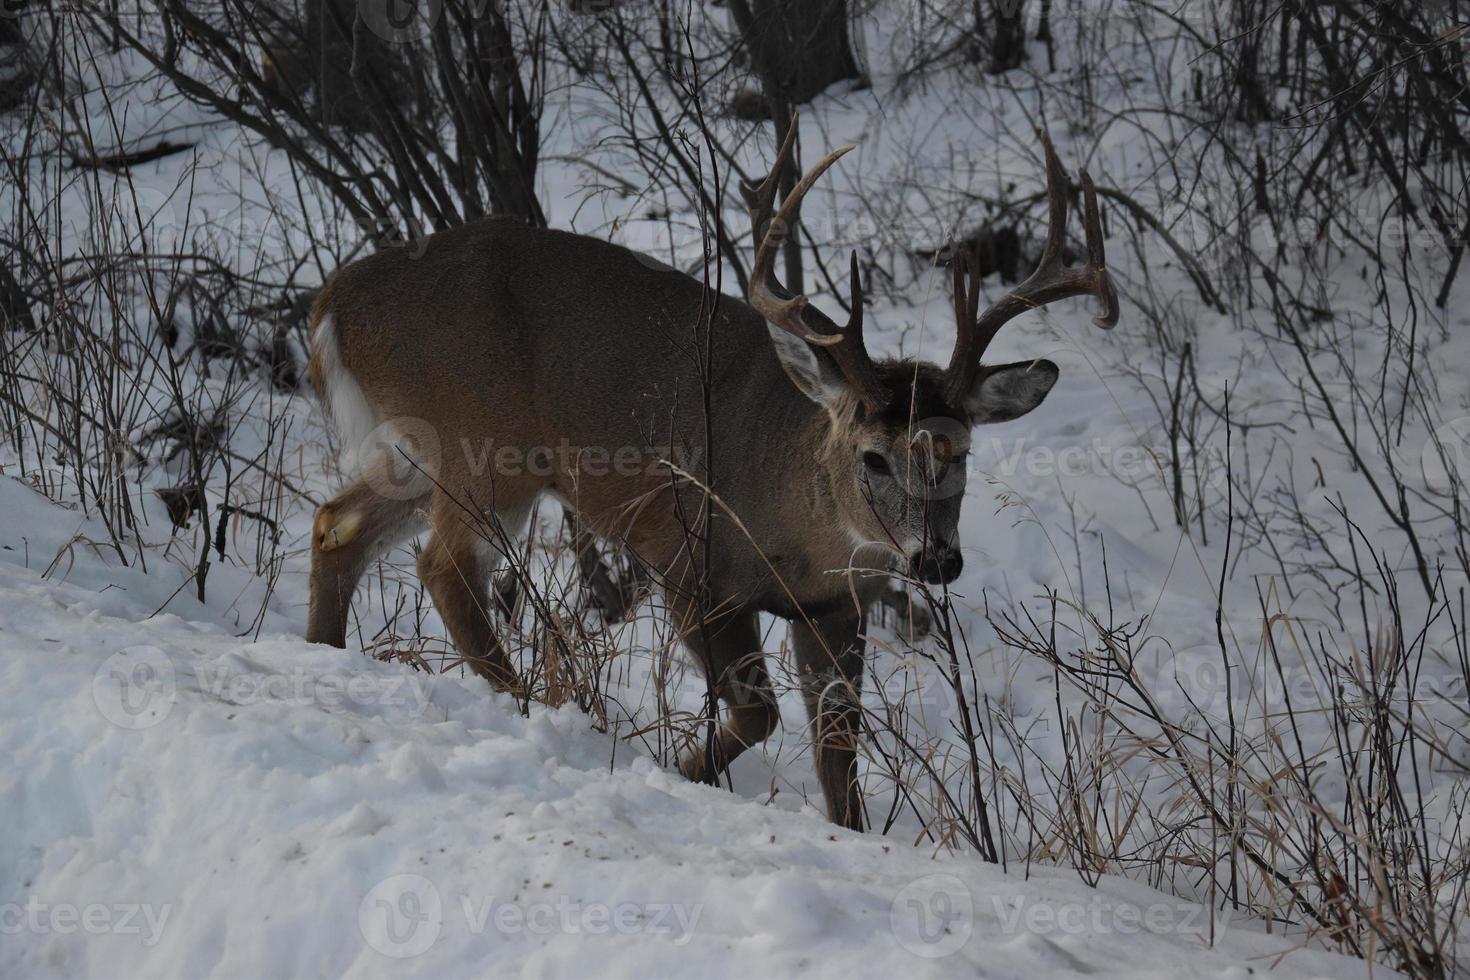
{"points": [[829, 661], [349, 532], [452, 567], [729, 653]]}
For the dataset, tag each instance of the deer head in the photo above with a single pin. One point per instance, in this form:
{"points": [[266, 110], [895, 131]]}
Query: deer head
{"points": [[898, 435]]}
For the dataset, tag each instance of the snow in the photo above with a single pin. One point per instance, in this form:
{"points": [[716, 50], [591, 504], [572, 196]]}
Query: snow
{"points": [[184, 802]]}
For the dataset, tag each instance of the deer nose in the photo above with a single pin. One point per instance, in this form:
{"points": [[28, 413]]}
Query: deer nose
{"points": [[939, 565]]}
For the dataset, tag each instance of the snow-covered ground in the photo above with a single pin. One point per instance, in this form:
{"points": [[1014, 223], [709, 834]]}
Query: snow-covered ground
{"points": [[183, 802]]}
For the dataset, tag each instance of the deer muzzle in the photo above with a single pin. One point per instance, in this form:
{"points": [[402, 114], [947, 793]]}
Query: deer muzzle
{"points": [[937, 565]]}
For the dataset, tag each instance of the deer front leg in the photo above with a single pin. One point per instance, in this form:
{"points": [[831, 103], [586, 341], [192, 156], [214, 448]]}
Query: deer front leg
{"points": [[829, 662], [729, 654]]}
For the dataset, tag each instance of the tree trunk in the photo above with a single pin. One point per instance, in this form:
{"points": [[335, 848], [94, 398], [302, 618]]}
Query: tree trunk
{"points": [[797, 47], [338, 42], [514, 122], [1007, 35], [16, 75], [15, 308]]}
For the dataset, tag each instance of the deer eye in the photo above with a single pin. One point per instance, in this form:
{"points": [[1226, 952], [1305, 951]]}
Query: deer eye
{"points": [[875, 463]]}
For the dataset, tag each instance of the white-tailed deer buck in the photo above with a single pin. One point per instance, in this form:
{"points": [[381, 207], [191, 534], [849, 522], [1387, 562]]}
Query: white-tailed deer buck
{"points": [[507, 362]]}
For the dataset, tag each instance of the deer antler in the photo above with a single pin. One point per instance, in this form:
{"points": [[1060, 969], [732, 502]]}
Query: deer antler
{"points": [[794, 313], [1050, 282]]}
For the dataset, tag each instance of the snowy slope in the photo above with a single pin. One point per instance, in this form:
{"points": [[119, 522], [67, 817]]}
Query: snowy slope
{"points": [[182, 802]]}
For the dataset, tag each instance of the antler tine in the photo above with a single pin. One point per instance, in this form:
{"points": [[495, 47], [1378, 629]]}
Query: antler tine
{"points": [[794, 313], [854, 331], [1058, 210], [1097, 259], [760, 198], [965, 263], [1050, 282], [773, 300]]}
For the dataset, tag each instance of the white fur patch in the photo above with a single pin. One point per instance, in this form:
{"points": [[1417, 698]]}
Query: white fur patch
{"points": [[352, 418], [862, 544], [803, 368]]}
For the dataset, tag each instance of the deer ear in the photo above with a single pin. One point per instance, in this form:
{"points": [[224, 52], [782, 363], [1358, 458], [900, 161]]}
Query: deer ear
{"points": [[813, 372], [1009, 391]]}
